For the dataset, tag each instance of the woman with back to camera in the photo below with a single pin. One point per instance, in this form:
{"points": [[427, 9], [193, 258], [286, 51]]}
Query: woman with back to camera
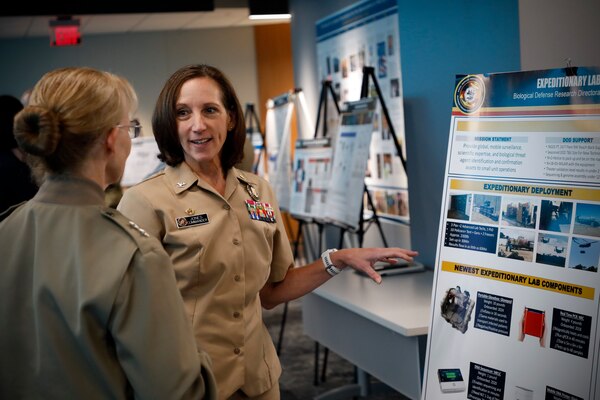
{"points": [[224, 232], [88, 300]]}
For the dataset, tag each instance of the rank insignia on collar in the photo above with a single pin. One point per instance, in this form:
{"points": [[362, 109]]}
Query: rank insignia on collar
{"points": [[189, 211], [180, 184], [252, 192]]}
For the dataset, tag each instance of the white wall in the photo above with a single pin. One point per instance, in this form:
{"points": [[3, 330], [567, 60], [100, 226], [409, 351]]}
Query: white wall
{"points": [[554, 30], [146, 59]]}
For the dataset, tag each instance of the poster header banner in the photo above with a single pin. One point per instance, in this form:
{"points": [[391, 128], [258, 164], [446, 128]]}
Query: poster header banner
{"points": [[576, 87]]}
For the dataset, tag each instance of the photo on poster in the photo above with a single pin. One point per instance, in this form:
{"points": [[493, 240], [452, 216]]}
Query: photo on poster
{"points": [[353, 62], [299, 176], [556, 215], [519, 212], [386, 133], [587, 219], [381, 60], [361, 58], [551, 249], [387, 165], [451, 380], [394, 87], [533, 325], [456, 308], [392, 202], [486, 208], [459, 206], [584, 254], [344, 67], [516, 244]]}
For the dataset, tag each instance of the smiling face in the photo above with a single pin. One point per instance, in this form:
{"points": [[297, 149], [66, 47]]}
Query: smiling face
{"points": [[202, 123]]}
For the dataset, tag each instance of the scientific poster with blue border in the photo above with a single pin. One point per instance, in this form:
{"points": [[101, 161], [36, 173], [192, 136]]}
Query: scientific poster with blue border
{"points": [[515, 309], [367, 34], [311, 178]]}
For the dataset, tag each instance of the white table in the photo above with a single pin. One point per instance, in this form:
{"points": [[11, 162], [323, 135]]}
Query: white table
{"points": [[381, 329]]}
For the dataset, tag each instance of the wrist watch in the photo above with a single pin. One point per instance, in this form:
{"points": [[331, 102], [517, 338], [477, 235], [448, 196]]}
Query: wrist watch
{"points": [[329, 267]]}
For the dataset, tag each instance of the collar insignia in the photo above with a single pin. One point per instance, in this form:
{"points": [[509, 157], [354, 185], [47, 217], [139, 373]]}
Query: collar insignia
{"points": [[252, 192]]}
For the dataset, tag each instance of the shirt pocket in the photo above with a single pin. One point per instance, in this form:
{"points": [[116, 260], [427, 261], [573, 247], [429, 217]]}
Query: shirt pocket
{"points": [[186, 248]]}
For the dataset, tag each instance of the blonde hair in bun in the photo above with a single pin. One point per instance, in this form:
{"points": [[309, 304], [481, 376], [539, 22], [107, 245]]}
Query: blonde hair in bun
{"points": [[69, 110], [37, 131]]}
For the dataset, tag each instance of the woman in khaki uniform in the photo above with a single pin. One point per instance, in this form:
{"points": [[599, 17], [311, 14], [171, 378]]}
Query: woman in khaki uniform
{"points": [[88, 300], [223, 230]]}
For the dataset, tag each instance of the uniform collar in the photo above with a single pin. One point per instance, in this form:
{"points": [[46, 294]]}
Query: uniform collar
{"points": [[71, 190], [180, 178]]}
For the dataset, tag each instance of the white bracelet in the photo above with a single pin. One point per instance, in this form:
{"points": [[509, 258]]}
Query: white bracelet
{"points": [[329, 267]]}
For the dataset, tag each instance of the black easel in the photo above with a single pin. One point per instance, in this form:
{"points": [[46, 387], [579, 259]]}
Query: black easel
{"points": [[364, 92], [250, 119], [360, 232], [325, 88]]}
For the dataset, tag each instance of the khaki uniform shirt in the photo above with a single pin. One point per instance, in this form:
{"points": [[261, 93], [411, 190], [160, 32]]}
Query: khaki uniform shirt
{"points": [[222, 258], [89, 305]]}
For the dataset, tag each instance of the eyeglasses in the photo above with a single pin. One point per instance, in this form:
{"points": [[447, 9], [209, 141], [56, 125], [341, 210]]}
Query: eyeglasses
{"points": [[134, 130]]}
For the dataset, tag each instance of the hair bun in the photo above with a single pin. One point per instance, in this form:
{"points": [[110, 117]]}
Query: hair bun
{"points": [[37, 130]]}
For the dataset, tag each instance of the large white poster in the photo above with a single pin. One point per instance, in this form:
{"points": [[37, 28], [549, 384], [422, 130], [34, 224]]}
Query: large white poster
{"points": [[277, 133], [142, 161], [311, 178], [515, 303], [367, 34], [351, 149]]}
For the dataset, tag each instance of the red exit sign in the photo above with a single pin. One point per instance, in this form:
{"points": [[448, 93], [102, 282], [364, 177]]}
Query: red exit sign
{"points": [[65, 32]]}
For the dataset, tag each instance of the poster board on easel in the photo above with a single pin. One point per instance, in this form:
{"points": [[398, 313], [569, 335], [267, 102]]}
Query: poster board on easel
{"points": [[278, 137], [344, 201], [367, 34], [311, 178], [515, 306]]}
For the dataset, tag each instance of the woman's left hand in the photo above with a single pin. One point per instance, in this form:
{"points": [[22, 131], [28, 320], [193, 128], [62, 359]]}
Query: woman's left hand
{"points": [[363, 259]]}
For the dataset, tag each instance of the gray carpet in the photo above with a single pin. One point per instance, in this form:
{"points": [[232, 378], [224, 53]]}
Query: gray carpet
{"points": [[298, 359]]}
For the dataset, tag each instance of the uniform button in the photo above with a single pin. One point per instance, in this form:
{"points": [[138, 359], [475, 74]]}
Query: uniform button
{"points": [[237, 350], [237, 278], [236, 314], [226, 207], [235, 241]]}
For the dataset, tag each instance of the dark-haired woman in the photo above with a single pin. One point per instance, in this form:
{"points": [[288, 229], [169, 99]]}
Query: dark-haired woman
{"points": [[223, 230]]}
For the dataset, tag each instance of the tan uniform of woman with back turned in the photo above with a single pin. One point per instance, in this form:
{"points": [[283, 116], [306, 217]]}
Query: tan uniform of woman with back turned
{"points": [[88, 300]]}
